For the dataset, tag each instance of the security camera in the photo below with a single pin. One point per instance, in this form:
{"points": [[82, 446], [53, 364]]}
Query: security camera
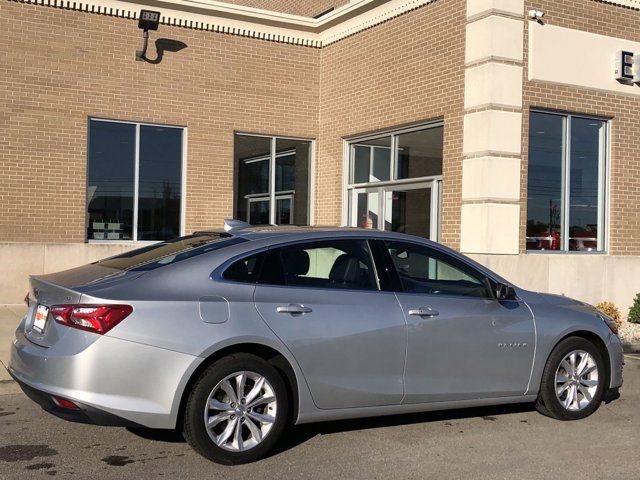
{"points": [[536, 14]]}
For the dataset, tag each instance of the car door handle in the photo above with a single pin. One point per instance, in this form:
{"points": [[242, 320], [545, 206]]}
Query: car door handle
{"points": [[423, 312], [294, 309]]}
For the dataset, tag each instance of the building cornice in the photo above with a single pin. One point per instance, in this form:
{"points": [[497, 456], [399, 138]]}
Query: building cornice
{"points": [[635, 4], [222, 17]]}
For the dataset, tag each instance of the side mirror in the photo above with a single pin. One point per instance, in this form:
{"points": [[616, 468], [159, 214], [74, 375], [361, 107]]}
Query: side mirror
{"points": [[504, 292]]}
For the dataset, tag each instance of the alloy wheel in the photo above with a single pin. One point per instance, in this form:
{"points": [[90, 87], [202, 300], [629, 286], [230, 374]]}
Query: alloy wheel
{"points": [[576, 380], [240, 411]]}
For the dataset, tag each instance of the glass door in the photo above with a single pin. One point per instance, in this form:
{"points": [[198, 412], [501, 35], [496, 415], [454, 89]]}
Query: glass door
{"points": [[411, 208], [365, 212], [408, 210]]}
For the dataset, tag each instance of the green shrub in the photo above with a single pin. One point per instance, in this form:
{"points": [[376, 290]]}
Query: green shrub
{"points": [[634, 311], [610, 309]]}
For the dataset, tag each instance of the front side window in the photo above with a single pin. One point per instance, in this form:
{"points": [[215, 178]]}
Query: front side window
{"points": [[340, 264], [423, 270], [272, 180], [566, 183], [395, 181], [134, 181]]}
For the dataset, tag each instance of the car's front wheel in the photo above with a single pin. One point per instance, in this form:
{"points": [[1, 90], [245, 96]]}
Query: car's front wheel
{"points": [[237, 410], [573, 381]]}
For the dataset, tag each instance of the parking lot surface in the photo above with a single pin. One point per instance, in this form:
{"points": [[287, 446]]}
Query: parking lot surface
{"points": [[497, 443]]}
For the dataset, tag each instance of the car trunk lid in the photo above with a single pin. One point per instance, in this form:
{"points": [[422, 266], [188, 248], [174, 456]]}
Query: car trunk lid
{"points": [[63, 288]]}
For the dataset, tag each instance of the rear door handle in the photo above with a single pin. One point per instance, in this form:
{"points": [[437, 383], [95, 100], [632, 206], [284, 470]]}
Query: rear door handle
{"points": [[424, 312], [294, 309]]}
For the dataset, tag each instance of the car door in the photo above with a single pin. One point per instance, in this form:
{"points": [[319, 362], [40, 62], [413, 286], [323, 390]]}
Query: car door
{"points": [[323, 301], [462, 343]]}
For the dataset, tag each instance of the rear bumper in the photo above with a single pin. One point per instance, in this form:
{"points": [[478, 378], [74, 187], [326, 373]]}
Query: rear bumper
{"points": [[83, 414], [113, 381]]}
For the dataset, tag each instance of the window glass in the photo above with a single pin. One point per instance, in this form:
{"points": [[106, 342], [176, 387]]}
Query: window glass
{"points": [[286, 172], [114, 148], [565, 152], [283, 211], [291, 165], [258, 212], [372, 160], [584, 185], [245, 270], [423, 270], [361, 163], [294, 180], [166, 253], [367, 210], [544, 191], [420, 153], [341, 264], [408, 211], [159, 189], [252, 157], [110, 183]]}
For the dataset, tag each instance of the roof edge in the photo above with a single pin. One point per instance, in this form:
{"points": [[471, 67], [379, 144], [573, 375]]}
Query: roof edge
{"points": [[221, 17]]}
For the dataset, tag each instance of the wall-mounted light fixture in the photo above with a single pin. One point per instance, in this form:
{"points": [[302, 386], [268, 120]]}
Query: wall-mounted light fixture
{"points": [[536, 15], [149, 20]]}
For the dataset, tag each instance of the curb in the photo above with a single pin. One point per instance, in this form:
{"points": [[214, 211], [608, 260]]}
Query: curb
{"points": [[630, 347]]}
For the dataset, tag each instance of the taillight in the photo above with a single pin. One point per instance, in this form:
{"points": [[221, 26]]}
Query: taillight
{"points": [[64, 403], [93, 318]]}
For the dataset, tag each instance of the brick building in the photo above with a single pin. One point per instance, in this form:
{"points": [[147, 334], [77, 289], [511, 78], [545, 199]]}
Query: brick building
{"points": [[510, 138]]}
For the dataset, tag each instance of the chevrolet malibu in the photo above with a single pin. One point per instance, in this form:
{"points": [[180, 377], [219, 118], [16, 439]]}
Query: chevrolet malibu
{"points": [[232, 336]]}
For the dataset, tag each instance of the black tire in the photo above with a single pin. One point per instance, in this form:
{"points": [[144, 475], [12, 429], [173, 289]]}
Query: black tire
{"points": [[548, 403], [194, 429]]}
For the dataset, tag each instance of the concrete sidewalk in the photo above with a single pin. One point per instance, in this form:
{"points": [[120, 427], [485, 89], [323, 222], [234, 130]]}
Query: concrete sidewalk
{"points": [[10, 316]]}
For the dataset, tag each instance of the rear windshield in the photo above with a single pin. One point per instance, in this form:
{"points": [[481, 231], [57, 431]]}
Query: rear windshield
{"points": [[169, 252]]}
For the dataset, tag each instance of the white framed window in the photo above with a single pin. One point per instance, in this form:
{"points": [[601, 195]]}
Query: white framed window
{"points": [[273, 179], [135, 181], [567, 182], [394, 180]]}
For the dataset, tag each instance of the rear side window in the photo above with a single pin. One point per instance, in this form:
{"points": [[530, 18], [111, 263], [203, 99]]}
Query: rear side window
{"points": [[339, 264], [423, 270], [167, 253], [244, 270]]}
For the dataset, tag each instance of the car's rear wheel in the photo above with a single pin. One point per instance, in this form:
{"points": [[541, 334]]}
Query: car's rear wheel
{"points": [[237, 410], [573, 381]]}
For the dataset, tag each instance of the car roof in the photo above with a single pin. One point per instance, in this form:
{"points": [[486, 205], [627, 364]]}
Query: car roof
{"points": [[266, 231]]}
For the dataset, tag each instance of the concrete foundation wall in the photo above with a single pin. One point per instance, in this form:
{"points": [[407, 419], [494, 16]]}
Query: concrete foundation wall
{"points": [[23, 259], [590, 278]]}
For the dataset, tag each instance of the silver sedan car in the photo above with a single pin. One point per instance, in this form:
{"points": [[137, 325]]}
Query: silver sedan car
{"points": [[233, 336]]}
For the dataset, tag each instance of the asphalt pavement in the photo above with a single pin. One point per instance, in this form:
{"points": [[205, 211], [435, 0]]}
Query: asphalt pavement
{"points": [[512, 442]]}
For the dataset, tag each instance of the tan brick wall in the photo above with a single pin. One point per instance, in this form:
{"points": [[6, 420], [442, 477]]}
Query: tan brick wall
{"points": [[624, 193], [306, 8], [407, 70], [382, 78], [60, 67]]}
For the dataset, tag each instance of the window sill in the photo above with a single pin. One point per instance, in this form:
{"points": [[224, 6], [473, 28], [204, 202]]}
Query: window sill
{"points": [[564, 252], [141, 243]]}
